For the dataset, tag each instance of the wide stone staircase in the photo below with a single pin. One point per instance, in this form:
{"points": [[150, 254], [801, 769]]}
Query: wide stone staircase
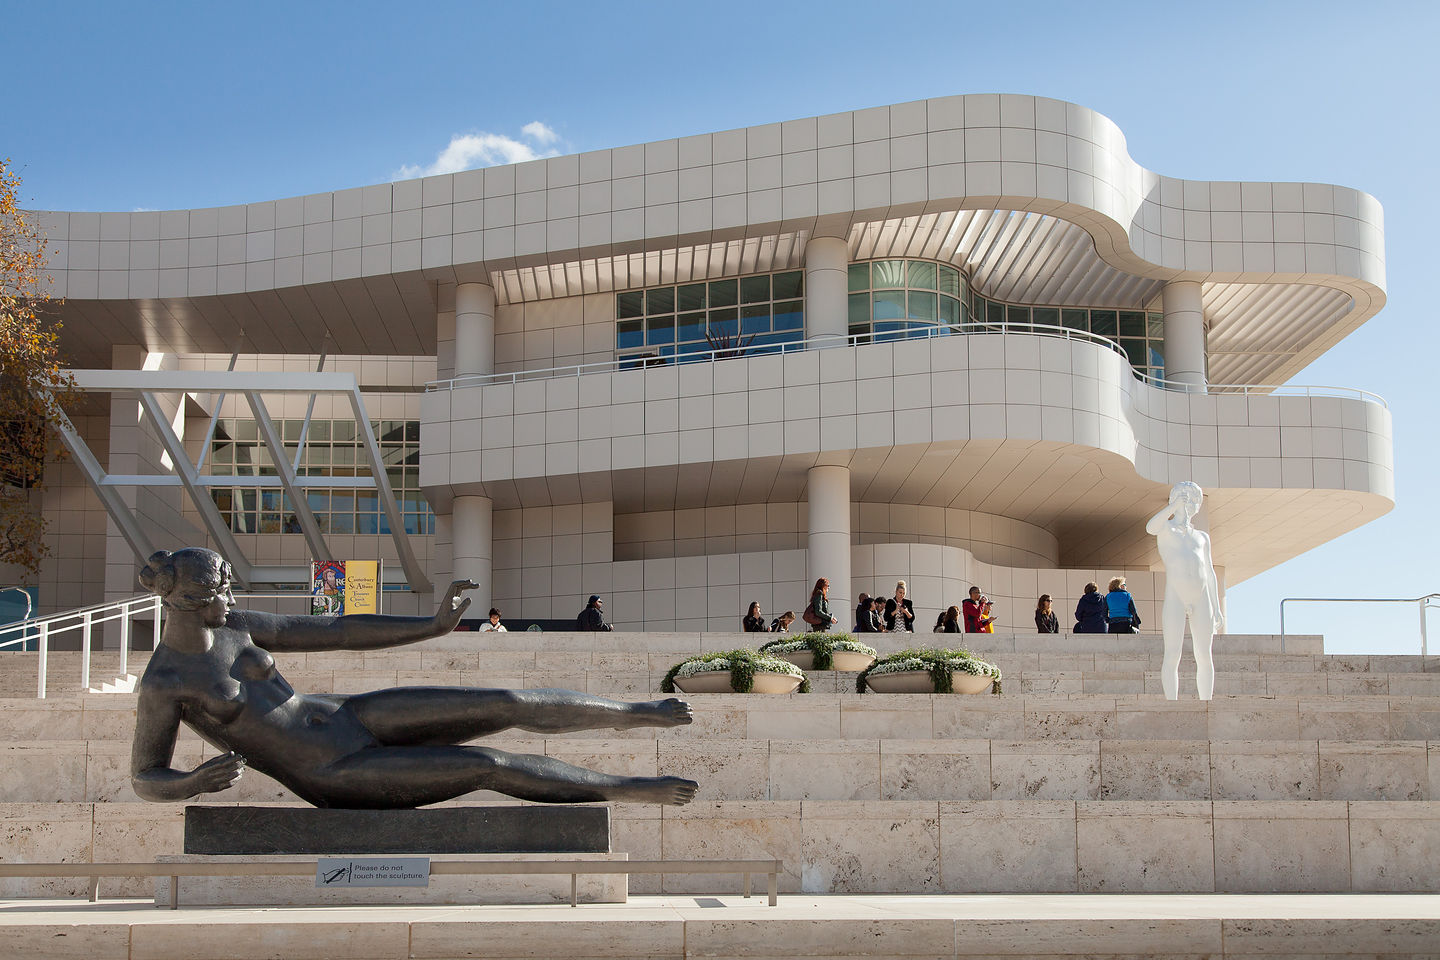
{"points": [[1305, 773]]}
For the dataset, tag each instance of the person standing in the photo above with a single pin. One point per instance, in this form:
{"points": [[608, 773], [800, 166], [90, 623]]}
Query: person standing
{"points": [[899, 611], [592, 618], [493, 625], [1090, 611], [976, 614], [818, 610], [1045, 619], [1120, 612], [867, 618]]}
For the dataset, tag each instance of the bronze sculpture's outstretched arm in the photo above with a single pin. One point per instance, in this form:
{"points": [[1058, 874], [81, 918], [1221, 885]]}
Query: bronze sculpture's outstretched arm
{"points": [[360, 631]]}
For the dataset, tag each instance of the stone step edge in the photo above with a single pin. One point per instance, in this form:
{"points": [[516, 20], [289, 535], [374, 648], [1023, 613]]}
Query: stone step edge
{"points": [[1216, 925]]}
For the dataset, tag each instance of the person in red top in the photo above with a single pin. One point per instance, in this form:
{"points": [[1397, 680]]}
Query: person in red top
{"points": [[976, 618]]}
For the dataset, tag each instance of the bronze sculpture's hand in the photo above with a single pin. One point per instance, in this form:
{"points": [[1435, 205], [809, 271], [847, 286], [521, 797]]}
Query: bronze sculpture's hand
{"points": [[218, 773], [452, 608]]}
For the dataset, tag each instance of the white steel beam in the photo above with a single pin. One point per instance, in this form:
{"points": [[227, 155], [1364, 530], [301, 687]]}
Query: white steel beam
{"points": [[309, 526], [413, 571], [215, 524]]}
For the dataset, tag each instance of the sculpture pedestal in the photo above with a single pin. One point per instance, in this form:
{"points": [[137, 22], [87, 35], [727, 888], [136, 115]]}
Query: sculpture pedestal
{"points": [[240, 891], [309, 831], [266, 834]]}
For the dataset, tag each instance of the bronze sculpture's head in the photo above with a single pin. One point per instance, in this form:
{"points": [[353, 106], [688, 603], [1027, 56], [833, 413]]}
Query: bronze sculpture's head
{"points": [[188, 579]]}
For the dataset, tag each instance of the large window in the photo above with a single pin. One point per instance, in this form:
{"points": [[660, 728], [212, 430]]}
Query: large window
{"points": [[684, 321], [332, 449], [1141, 335], [896, 299], [889, 300]]}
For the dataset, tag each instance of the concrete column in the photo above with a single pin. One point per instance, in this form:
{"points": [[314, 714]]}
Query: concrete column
{"points": [[1184, 334], [474, 329], [827, 298], [471, 547], [829, 495]]}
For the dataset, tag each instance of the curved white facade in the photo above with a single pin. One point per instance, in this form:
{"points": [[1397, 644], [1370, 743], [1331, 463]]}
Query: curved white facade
{"points": [[1026, 461]]}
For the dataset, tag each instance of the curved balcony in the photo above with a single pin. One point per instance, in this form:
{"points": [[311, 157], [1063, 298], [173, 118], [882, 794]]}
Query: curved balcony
{"points": [[1049, 426]]}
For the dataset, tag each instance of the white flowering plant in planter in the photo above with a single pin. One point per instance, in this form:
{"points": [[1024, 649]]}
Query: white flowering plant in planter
{"points": [[742, 666], [823, 646], [941, 664]]}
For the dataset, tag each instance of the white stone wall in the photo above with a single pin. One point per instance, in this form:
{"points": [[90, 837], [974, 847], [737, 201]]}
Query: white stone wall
{"points": [[950, 389], [998, 151], [555, 333], [758, 527]]}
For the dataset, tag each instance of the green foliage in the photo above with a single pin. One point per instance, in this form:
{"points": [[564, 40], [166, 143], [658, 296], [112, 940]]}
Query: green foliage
{"points": [[941, 664], [744, 664], [33, 388], [821, 645]]}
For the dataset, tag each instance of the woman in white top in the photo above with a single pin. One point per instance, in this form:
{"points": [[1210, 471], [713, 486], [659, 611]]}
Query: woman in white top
{"points": [[493, 625]]}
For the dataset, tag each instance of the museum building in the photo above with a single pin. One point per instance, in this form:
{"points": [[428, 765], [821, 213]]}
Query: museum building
{"points": [[959, 341]]}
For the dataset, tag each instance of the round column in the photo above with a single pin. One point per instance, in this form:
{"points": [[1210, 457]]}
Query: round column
{"points": [[474, 329], [1184, 334], [827, 298], [829, 547], [471, 547]]}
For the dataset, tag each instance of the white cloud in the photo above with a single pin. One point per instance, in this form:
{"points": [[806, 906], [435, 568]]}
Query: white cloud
{"points": [[466, 151], [538, 132]]}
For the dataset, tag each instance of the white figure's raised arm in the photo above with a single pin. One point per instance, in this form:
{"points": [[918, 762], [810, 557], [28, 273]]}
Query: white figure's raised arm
{"points": [[1155, 524]]}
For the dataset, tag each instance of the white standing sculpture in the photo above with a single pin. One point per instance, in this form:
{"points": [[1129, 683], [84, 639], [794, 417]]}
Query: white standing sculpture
{"points": [[1191, 589]]}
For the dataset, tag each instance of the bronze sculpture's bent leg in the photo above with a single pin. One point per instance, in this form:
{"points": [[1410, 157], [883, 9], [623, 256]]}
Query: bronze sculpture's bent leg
{"points": [[443, 715], [400, 777]]}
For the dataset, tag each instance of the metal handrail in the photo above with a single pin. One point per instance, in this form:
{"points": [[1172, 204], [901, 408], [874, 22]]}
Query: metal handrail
{"points": [[29, 603], [1264, 389], [929, 331], [1425, 602], [84, 620], [919, 330], [771, 869]]}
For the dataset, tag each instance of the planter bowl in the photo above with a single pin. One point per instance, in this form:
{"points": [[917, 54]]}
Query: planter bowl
{"points": [[718, 681], [846, 660], [918, 681]]}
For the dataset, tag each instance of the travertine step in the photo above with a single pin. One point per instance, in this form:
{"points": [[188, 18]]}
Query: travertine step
{"points": [[910, 846], [1045, 927], [656, 652], [825, 716], [861, 769]]}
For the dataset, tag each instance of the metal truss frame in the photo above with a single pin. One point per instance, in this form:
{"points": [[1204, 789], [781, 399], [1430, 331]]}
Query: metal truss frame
{"points": [[149, 384]]}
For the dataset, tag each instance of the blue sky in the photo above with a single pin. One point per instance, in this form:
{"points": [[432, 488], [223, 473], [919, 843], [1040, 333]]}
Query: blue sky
{"points": [[177, 105]]}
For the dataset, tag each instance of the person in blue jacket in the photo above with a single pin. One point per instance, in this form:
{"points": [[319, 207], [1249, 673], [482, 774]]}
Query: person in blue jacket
{"points": [[1090, 611], [1120, 608]]}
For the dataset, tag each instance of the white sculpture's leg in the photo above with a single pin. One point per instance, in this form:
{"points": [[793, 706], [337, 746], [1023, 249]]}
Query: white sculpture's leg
{"points": [[1172, 618], [1204, 662]]}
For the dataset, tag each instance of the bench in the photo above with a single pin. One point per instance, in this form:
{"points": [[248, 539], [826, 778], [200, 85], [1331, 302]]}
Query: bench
{"points": [[301, 868]]}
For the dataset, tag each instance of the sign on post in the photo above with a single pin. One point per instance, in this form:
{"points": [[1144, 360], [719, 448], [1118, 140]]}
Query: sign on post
{"points": [[338, 587]]}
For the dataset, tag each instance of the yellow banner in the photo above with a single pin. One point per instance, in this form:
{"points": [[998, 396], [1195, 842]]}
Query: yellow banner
{"points": [[362, 586]]}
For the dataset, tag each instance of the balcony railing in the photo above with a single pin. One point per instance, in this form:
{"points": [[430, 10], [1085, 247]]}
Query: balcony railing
{"points": [[918, 331]]}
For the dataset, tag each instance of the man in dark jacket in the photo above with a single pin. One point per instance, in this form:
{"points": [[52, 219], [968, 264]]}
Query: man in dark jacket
{"points": [[592, 617], [867, 618]]}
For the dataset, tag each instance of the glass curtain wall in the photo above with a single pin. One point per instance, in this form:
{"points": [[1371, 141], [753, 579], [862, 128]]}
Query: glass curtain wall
{"points": [[332, 449], [684, 321], [888, 300]]}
